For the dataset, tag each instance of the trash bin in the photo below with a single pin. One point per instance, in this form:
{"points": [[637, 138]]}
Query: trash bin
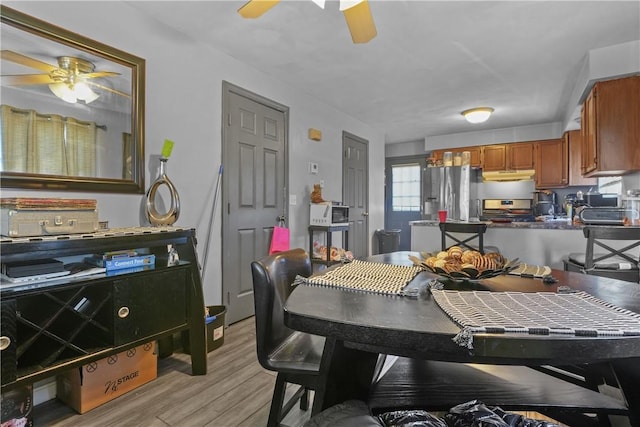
{"points": [[215, 328], [388, 240]]}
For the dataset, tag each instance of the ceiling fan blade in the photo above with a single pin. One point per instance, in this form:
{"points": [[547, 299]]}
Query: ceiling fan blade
{"points": [[360, 22], [26, 79], [255, 8], [18, 58], [108, 89], [99, 74]]}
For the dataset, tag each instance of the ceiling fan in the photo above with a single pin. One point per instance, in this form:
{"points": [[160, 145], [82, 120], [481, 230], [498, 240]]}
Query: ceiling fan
{"points": [[356, 12], [71, 80]]}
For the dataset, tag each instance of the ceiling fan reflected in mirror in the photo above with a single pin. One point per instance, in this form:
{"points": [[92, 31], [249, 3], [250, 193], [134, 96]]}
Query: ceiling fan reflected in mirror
{"points": [[356, 12], [70, 81]]}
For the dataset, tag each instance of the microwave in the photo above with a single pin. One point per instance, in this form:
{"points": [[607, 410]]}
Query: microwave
{"points": [[328, 214]]}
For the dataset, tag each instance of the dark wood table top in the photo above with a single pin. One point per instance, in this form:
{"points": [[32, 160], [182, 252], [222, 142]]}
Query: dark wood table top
{"points": [[418, 328]]}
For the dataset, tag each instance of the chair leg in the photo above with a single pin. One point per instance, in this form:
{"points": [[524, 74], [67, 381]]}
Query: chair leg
{"points": [[276, 402], [304, 399]]}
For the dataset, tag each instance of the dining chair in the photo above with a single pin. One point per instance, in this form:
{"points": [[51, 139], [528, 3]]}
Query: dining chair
{"points": [[466, 235], [294, 355], [602, 259]]}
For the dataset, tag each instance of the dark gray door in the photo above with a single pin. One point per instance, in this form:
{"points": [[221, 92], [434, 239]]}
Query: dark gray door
{"points": [[355, 191], [403, 199], [254, 190]]}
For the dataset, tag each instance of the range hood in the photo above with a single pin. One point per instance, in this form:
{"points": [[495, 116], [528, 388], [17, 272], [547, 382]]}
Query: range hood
{"points": [[519, 175]]}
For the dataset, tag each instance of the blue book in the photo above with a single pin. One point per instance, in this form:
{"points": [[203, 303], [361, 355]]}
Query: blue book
{"points": [[123, 262]]}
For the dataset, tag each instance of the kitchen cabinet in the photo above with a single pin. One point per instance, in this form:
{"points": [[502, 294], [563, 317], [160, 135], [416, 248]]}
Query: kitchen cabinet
{"points": [[551, 163], [611, 129], [475, 151], [52, 326], [574, 142], [514, 156]]}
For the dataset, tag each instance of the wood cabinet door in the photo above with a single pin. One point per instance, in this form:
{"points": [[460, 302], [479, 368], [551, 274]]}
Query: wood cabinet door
{"points": [[476, 155], [551, 163], [520, 155], [588, 134], [494, 157], [575, 144], [149, 304], [616, 108]]}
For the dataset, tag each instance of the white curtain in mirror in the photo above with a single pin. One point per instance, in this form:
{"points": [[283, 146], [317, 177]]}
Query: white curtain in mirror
{"points": [[47, 144]]}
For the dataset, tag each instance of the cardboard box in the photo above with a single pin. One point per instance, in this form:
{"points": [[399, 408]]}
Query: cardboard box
{"points": [[17, 407], [93, 384]]}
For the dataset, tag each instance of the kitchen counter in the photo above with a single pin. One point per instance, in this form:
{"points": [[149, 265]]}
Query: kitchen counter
{"points": [[535, 243], [547, 225]]}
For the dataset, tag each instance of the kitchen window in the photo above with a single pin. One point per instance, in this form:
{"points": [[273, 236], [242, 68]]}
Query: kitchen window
{"points": [[405, 180]]}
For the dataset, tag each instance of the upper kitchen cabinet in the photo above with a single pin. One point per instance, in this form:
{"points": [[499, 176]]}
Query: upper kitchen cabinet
{"points": [[551, 163], [476, 154], [573, 139], [611, 128], [514, 156]]}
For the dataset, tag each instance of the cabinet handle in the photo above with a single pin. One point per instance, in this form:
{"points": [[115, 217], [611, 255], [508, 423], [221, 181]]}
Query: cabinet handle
{"points": [[123, 312], [5, 342]]}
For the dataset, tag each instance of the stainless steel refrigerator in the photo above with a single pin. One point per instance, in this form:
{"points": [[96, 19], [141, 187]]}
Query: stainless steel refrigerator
{"points": [[451, 188]]}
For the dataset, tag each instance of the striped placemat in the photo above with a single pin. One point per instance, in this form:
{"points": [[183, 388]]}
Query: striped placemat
{"points": [[541, 313], [366, 276]]}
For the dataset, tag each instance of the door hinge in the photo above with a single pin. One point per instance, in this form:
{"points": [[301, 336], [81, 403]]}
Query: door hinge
{"points": [[228, 208], [228, 298], [229, 119]]}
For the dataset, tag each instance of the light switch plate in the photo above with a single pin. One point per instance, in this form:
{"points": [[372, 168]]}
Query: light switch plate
{"points": [[313, 168], [293, 200]]}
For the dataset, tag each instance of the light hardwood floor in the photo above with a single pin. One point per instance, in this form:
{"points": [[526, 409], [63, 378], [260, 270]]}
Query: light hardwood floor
{"points": [[235, 392]]}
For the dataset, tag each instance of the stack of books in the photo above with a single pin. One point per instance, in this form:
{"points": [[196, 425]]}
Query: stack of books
{"points": [[125, 261]]}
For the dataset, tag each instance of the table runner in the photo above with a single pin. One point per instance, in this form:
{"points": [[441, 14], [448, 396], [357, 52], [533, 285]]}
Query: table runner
{"points": [[366, 276], [542, 313]]}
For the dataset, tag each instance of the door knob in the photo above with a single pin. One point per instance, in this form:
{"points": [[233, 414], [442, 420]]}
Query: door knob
{"points": [[365, 213], [5, 342]]}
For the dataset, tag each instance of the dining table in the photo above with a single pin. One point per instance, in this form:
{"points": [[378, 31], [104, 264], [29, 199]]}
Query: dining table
{"points": [[359, 326]]}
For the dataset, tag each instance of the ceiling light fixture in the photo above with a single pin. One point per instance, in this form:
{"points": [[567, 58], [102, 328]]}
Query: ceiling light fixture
{"points": [[73, 92], [477, 115]]}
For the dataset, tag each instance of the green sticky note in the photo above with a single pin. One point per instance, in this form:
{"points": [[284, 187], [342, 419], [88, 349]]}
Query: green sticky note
{"points": [[167, 148]]}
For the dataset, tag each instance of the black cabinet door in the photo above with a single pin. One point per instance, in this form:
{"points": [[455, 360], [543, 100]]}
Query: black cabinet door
{"points": [[149, 304], [8, 341]]}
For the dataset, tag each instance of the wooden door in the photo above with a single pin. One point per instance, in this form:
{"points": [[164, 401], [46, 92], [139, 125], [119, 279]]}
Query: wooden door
{"points": [[494, 157], [574, 143], [355, 192], [254, 190], [519, 156], [551, 163]]}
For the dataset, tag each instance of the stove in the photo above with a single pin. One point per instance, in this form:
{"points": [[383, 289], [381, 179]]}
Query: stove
{"points": [[507, 210]]}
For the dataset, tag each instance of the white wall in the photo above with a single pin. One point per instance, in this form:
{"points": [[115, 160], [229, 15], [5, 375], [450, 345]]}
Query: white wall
{"points": [[184, 103]]}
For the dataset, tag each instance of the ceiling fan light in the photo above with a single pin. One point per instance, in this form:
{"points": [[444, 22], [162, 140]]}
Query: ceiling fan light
{"points": [[255, 8], [359, 20], [62, 91], [477, 115], [84, 92]]}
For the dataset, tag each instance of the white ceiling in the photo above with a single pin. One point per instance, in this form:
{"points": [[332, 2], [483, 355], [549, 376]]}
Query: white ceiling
{"points": [[430, 60]]}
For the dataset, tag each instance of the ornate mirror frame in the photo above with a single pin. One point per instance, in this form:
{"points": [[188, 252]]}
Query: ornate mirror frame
{"points": [[131, 181]]}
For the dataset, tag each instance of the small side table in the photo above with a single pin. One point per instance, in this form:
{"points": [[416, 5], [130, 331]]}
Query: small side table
{"points": [[328, 231]]}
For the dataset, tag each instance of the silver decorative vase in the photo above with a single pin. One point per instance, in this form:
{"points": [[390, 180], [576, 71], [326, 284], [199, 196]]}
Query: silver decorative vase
{"points": [[171, 216]]}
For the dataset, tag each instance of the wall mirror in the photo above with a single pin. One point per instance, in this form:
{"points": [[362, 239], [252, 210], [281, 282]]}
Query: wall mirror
{"points": [[72, 110]]}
